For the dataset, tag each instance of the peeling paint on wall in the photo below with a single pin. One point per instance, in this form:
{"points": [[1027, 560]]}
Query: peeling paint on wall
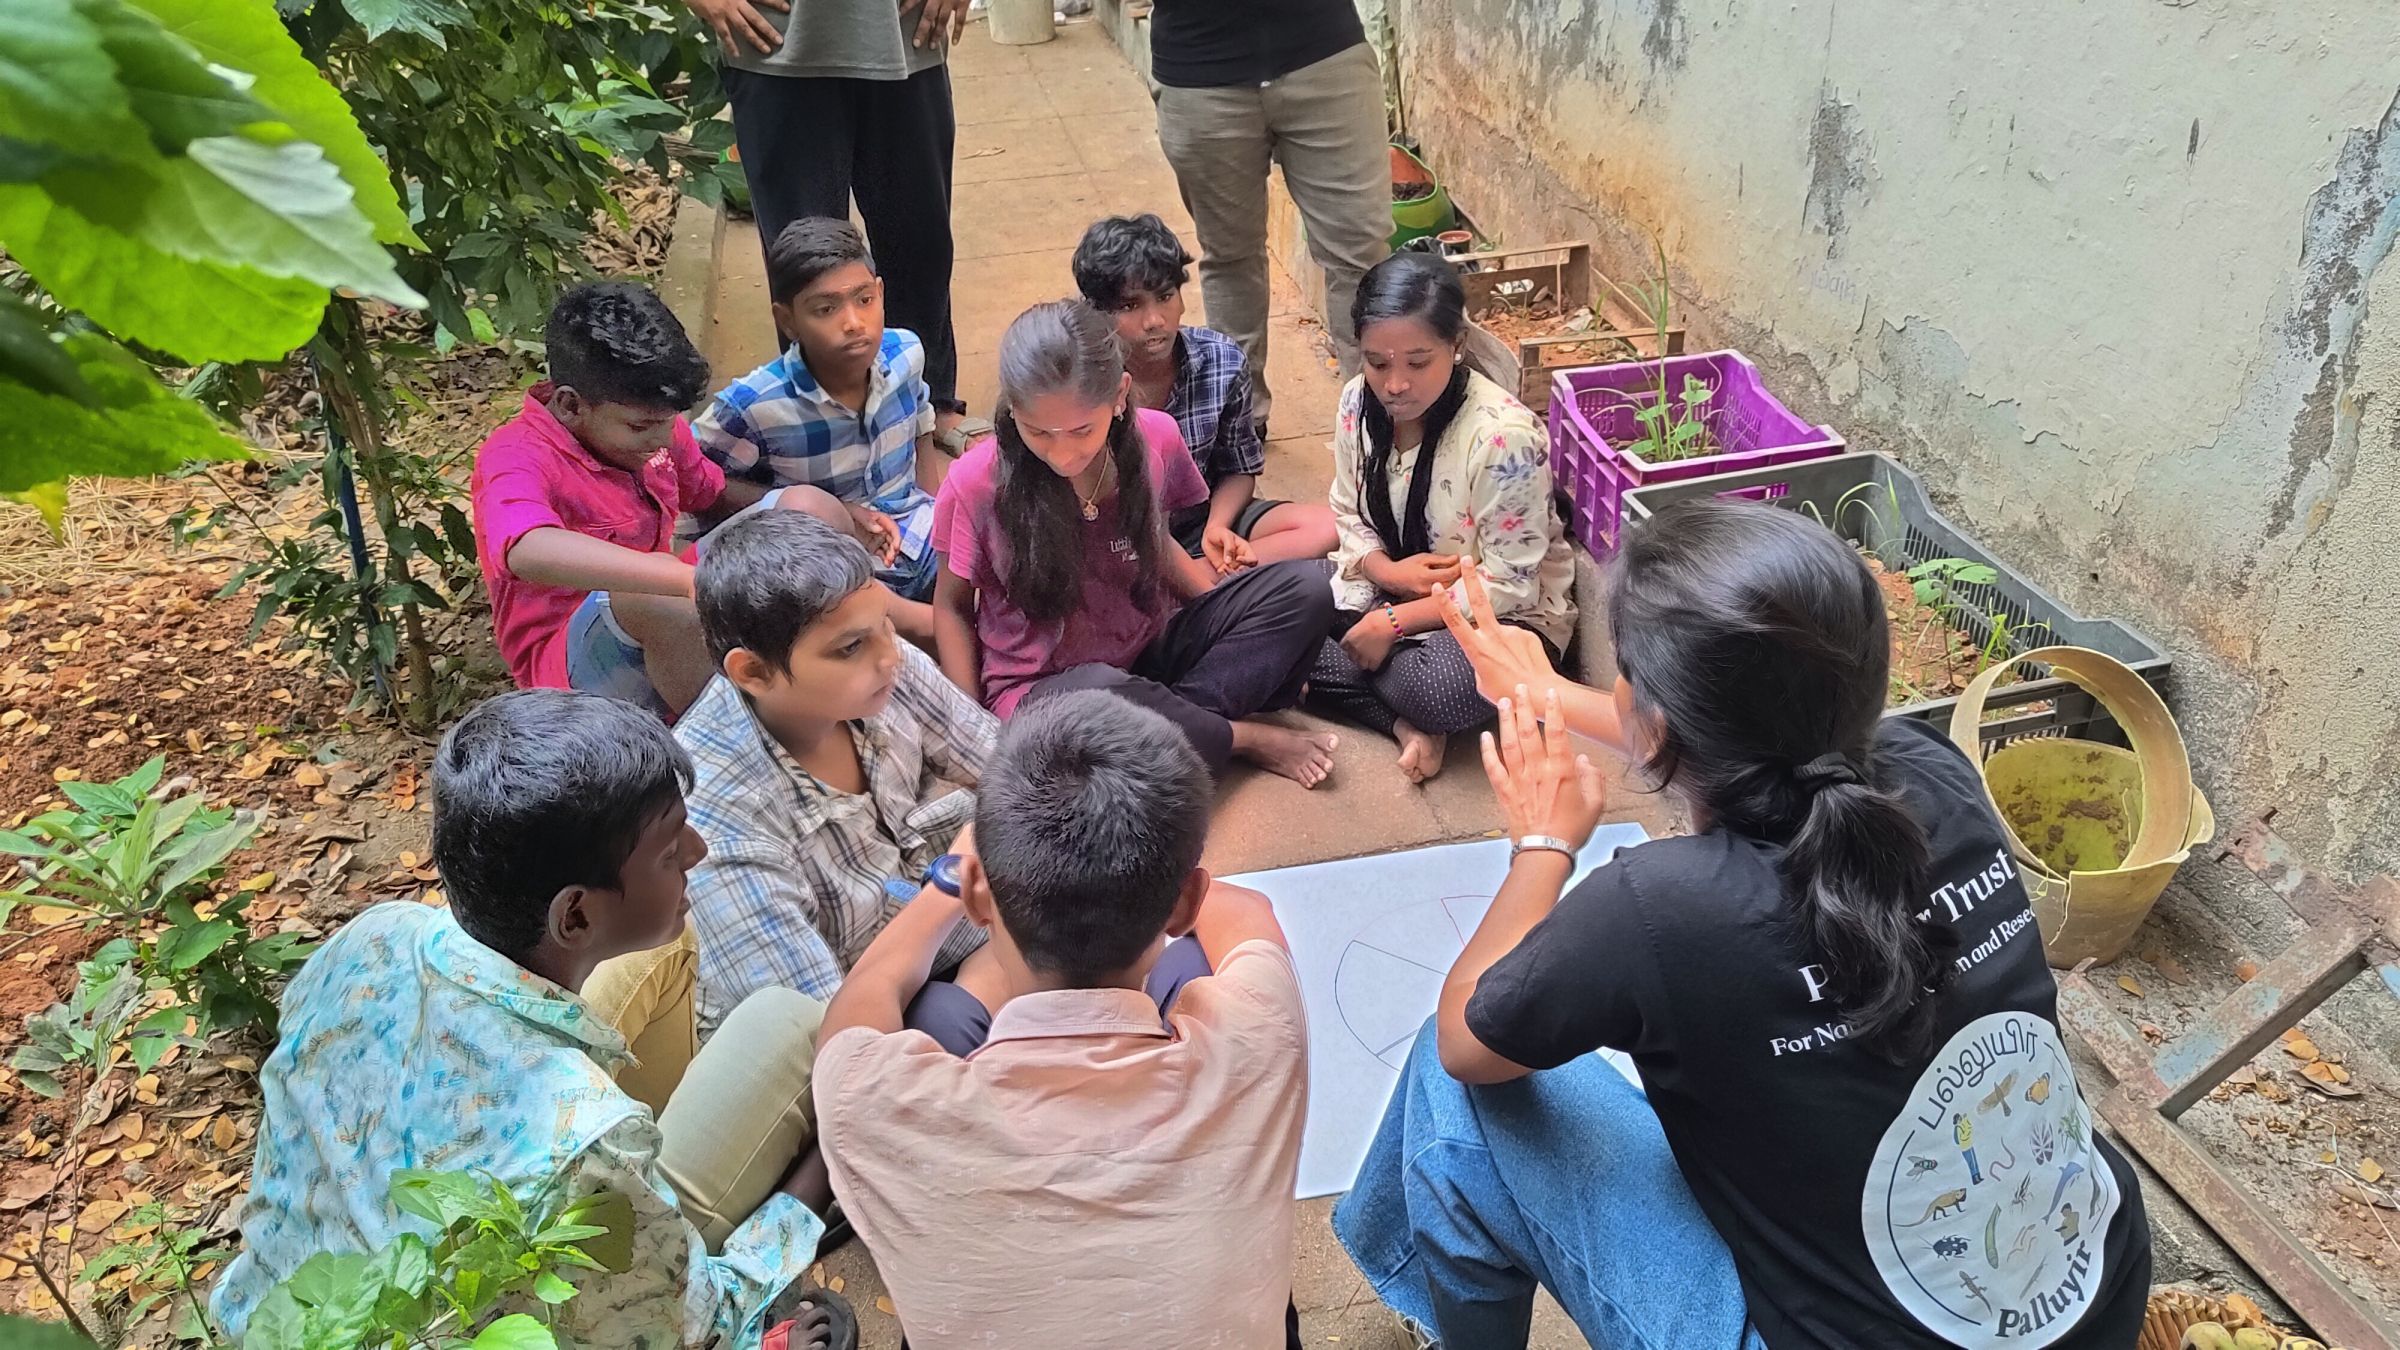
{"points": [[1664, 40], [1837, 168], [2139, 327]]}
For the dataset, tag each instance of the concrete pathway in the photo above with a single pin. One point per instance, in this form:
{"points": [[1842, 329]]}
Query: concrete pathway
{"points": [[1051, 138]]}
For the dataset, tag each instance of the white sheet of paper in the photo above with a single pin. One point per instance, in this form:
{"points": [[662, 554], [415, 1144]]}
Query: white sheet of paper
{"points": [[1373, 939]]}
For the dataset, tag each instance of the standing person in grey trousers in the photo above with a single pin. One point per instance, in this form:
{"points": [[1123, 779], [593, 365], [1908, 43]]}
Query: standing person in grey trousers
{"points": [[1249, 83], [835, 99]]}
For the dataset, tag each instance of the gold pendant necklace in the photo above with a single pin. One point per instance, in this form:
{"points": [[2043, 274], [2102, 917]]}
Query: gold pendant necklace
{"points": [[1091, 505]]}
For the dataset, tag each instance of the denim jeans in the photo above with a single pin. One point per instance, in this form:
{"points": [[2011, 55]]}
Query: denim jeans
{"points": [[1471, 1196], [602, 658]]}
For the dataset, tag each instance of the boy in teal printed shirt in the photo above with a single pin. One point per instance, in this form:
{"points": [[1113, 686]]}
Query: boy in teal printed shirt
{"points": [[454, 1040]]}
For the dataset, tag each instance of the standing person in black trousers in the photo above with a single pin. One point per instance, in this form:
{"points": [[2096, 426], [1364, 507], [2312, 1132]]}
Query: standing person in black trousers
{"points": [[1249, 83], [838, 99]]}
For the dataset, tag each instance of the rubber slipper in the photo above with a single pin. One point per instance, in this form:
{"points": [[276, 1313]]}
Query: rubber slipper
{"points": [[783, 1318], [838, 1231]]}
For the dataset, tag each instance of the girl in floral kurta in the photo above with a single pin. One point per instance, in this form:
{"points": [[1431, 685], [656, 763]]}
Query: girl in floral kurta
{"points": [[1410, 521]]}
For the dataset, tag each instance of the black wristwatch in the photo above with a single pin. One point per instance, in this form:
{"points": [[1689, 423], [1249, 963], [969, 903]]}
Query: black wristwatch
{"points": [[942, 874]]}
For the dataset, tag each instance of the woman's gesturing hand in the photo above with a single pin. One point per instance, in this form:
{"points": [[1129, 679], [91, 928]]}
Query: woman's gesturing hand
{"points": [[1505, 658], [1544, 787]]}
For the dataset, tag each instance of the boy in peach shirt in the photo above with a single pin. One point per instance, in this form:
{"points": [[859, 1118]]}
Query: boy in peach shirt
{"points": [[1100, 1171]]}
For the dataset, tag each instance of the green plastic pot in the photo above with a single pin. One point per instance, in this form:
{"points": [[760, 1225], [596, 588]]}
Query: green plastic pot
{"points": [[1425, 215]]}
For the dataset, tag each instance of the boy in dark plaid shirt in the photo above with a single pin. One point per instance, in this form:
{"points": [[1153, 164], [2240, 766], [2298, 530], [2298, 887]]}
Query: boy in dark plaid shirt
{"points": [[1133, 269]]}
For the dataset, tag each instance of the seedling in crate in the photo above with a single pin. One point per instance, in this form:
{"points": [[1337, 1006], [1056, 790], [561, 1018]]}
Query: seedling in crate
{"points": [[1675, 428], [1674, 424], [2005, 640], [1937, 579]]}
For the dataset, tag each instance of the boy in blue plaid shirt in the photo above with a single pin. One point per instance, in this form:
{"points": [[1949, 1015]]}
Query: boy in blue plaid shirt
{"points": [[841, 424]]}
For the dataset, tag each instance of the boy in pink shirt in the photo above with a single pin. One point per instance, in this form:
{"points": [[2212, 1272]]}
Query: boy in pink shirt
{"points": [[575, 502]]}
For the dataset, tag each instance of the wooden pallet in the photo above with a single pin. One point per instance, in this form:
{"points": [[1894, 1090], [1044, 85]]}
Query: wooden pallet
{"points": [[1622, 328]]}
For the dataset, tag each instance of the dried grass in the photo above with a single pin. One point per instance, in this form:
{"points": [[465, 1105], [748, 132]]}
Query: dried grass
{"points": [[105, 531]]}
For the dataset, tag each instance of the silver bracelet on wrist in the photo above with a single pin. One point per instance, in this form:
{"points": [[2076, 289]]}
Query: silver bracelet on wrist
{"points": [[1542, 842]]}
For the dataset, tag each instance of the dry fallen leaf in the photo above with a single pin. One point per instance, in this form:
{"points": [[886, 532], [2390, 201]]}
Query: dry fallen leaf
{"points": [[834, 1284], [2324, 1072], [222, 1134], [2130, 985], [2370, 1171], [26, 1186], [309, 775], [2297, 1044], [100, 1214], [2360, 1195], [2245, 970], [883, 1304], [99, 1157]]}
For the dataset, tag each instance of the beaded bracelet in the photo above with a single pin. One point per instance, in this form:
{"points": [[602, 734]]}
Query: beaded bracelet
{"points": [[1394, 616]]}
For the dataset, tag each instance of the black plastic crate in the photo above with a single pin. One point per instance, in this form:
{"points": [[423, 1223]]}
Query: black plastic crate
{"points": [[1871, 501]]}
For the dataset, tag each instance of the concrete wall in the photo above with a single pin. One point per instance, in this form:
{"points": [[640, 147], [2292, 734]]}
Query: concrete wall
{"points": [[2114, 277]]}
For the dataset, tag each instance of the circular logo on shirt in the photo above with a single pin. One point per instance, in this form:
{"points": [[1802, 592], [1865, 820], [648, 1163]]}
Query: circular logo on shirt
{"points": [[1987, 1205]]}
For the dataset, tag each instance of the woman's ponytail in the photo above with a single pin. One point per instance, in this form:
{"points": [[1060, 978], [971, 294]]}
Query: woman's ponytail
{"points": [[1758, 651], [1855, 873]]}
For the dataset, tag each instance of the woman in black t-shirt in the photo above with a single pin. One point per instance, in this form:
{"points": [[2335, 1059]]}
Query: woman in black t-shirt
{"points": [[1834, 994]]}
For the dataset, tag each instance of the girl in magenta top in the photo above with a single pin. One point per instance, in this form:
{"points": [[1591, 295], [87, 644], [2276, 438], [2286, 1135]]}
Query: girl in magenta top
{"points": [[1058, 571]]}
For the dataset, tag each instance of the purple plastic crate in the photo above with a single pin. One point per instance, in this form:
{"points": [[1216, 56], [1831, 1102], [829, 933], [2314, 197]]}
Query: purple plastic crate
{"points": [[1592, 415]]}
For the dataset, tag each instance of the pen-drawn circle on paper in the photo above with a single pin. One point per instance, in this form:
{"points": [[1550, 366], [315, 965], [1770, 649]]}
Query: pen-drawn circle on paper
{"points": [[1389, 978]]}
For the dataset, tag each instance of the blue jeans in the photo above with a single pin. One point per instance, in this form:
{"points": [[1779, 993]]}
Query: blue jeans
{"points": [[602, 658], [1471, 1196]]}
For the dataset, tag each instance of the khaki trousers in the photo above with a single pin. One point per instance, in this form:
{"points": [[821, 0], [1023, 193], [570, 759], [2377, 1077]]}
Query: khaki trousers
{"points": [[734, 1114], [1324, 125]]}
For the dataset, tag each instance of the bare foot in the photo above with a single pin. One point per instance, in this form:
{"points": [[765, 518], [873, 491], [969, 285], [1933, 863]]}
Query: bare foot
{"points": [[1420, 751], [1305, 758]]}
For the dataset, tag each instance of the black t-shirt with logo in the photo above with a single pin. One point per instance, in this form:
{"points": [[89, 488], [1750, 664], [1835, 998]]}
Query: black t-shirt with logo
{"points": [[1959, 1199]]}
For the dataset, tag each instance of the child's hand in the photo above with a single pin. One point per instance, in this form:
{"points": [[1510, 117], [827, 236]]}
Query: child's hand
{"points": [[879, 532], [1544, 788], [1421, 574], [1369, 641], [1226, 551], [728, 17]]}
